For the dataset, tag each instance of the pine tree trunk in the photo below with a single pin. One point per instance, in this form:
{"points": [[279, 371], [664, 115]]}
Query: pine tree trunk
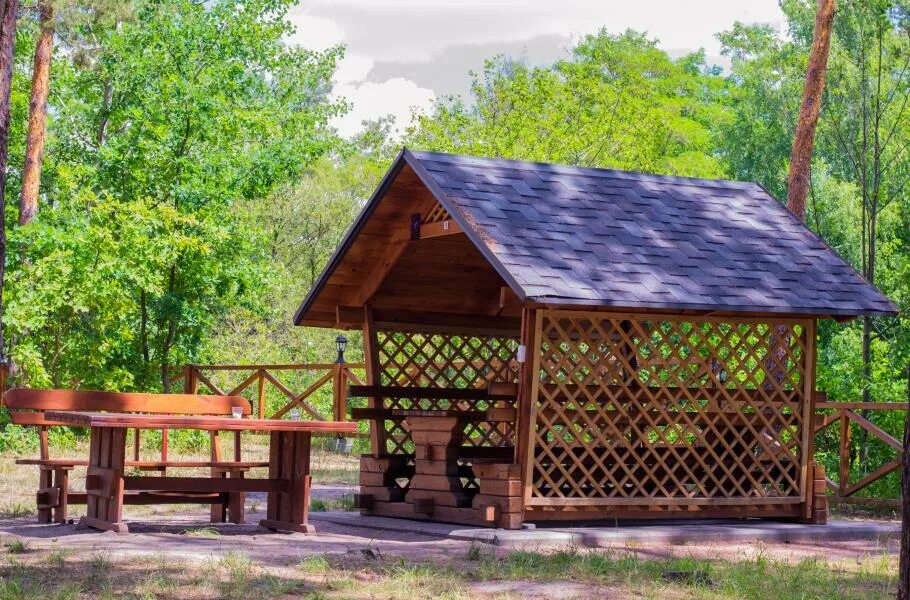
{"points": [[804, 138], [903, 589], [7, 46], [37, 116]]}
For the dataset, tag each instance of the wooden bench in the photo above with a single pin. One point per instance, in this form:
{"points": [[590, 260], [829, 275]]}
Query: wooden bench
{"points": [[27, 407]]}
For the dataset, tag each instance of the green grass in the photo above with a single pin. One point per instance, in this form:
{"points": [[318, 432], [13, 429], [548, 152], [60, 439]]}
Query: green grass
{"points": [[17, 547], [204, 532], [345, 502], [625, 572], [16, 510]]}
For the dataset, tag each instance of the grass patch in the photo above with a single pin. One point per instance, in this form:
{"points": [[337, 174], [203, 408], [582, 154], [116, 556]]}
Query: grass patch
{"points": [[202, 532], [345, 503], [17, 547], [315, 563], [759, 578], [16, 510]]}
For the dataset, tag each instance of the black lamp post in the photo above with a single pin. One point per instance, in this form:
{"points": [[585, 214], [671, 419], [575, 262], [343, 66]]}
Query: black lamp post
{"points": [[341, 343]]}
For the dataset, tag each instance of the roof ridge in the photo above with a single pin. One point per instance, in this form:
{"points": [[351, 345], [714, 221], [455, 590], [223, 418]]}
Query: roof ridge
{"points": [[577, 170]]}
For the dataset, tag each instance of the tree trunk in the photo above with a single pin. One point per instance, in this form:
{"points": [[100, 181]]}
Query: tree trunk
{"points": [[804, 138], [7, 46], [37, 116], [903, 585]]}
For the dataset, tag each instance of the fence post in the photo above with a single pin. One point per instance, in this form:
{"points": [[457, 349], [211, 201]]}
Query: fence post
{"points": [[190, 381], [903, 584], [843, 472], [338, 407], [261, 397]]}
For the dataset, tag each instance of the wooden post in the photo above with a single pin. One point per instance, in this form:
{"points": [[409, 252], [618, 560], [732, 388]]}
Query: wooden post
{"points": [[527, 396], [808, 417], [190, 380], [261, 394], [843, 464], [339, 410], [903, 584], [371, 360]]}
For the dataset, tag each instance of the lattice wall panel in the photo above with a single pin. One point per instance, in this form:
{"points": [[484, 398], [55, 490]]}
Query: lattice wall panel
{"points": [[672, 411], [435, 360]]}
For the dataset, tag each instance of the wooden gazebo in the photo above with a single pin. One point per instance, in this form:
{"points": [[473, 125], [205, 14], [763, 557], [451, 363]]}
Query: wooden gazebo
{"points": [[556, 343]]}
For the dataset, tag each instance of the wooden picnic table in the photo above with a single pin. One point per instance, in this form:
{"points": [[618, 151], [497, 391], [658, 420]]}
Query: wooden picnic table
{"points": [[287, 486]]}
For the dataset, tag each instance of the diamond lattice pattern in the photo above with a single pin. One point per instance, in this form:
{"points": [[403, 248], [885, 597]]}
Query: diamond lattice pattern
{"points": [[436, 360], [637, 408]]}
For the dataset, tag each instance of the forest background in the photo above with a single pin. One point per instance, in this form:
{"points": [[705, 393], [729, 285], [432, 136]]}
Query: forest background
{"points": [[192, 186]]}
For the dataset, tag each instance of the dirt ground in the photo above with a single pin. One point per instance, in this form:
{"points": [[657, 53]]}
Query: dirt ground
{"points": [[187, 533], [169, 546]]}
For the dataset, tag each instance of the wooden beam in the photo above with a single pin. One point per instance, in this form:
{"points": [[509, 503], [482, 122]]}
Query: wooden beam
{"points": [[374, 280], [439, 229], [425, 393], [348, 317]]}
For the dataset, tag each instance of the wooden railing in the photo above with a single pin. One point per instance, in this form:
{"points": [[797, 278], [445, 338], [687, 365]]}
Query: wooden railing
{"points": [[259, 379], [845, 415]]}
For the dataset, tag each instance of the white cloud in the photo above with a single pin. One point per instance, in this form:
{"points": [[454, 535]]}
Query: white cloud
{"points": [[314, 33], [396, 96], [381, 35], [353, 68]]}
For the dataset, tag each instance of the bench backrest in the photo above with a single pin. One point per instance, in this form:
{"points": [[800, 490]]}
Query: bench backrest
{"points": [[27, 405]]}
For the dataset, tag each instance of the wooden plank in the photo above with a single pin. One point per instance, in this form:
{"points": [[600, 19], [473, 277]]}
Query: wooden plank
{"points": [[875, 430], [204, 423], [663, 501], [439, 229], [84, 400], [659, 512], [203, 484], [872, 477], [861, 405], [428, 393]]}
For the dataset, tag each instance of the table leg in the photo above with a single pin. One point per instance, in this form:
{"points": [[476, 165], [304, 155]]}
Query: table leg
{"points": [[289, 459], [218, 510], [236, 501], [45, 476], [62, 483], [104, 480]]}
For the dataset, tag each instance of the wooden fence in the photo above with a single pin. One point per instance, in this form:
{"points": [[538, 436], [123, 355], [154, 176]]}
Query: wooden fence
{"points": [[258, 380], [845, 415]]}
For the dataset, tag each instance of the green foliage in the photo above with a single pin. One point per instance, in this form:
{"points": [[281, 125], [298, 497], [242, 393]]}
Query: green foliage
{"points": [[619, 101], [184, 114]]}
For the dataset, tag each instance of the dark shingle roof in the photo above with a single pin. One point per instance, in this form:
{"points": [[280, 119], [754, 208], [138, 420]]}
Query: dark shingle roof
{"points": [[568, 235]]}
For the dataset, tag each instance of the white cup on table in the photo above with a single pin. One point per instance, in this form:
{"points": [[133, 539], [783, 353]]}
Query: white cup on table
{"points": [[237, 412]]}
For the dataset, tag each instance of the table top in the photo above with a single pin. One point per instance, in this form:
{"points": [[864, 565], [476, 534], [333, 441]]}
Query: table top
{"points": [[206, 423]]}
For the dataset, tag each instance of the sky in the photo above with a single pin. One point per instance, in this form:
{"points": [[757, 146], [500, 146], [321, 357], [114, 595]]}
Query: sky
{"points": [[402, 55]]}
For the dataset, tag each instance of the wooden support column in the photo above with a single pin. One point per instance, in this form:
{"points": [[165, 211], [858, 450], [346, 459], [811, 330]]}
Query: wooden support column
{"points": [[371, 360], [527, 395], [811, 512], [339, 393]]}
